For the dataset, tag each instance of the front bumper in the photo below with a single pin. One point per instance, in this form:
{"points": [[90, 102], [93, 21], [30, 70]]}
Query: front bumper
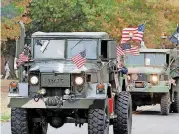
{"points": [[75, 103], [151, 89]]}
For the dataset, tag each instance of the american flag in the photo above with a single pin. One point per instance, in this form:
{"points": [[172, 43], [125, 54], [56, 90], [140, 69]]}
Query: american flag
{"points": [[22, 58], [79, 59], [136, 31], [133, 50], [127, 50], [174, 38], [119, 51]]}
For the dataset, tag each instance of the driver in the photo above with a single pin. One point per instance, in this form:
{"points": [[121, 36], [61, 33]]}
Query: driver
{"points": [[121, 68]]}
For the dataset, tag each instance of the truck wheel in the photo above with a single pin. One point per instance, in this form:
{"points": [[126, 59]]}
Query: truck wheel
{"points": [[165, 104], [21, 123], [97, 122], [123, 110], [176, 102]]}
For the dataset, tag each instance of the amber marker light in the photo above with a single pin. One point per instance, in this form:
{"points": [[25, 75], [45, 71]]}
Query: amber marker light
{"points": [[13, 84], [100, 87]]}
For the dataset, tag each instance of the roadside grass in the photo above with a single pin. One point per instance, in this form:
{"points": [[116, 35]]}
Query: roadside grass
{"points": [[5, 117]]}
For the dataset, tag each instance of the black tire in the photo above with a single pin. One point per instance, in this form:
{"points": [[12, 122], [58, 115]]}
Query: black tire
{"points": [[176, 102], [21, 123], [123, 110], [165, 104], [97, 121]]}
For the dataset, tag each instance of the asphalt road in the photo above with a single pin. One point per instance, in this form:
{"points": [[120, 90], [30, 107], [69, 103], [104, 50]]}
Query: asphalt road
{"points": [[147, 120]]}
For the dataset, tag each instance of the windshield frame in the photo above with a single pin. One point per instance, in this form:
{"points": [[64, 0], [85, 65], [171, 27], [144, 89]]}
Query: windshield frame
{"points": [[65, 48]]}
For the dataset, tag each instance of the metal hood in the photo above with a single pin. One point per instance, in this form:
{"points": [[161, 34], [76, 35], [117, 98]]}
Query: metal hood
{"points": [[61, 67]]}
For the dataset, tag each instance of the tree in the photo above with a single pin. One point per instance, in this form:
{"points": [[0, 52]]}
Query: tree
{"points": [[12, 11], [70, 15]]}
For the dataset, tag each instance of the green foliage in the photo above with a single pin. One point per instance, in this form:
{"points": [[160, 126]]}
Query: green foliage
{"points": [[56, 15], [135, 12], [70, 15], [107, 15], [10, 11], [5, 117]]}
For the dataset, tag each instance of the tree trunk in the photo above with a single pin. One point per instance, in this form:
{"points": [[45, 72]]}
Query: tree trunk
{"points": [[11, 49], [11, 66]]}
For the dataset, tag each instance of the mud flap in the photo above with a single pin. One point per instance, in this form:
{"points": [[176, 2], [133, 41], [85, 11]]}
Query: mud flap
{"points": [[111, 106]]}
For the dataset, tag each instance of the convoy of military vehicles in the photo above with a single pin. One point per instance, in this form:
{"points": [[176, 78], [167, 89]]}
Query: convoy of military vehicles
{"points": [[52, 90]]}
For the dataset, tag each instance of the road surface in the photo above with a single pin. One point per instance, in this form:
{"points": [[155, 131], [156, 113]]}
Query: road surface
{"points": [[147, 120]]}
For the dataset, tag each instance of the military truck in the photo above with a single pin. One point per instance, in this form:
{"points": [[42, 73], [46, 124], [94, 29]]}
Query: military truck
{"points": [[152, 76], [53, 90]]}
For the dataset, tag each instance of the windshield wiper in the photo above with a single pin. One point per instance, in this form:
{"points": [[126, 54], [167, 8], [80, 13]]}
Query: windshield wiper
{"points": [[44, 46], [76, 44]]}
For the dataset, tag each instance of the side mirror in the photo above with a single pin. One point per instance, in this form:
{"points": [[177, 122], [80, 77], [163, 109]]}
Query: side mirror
{"points": [[174, 53], [111, 49]]}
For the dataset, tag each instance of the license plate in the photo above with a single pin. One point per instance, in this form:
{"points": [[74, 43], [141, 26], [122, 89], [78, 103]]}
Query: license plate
{"points": [[52, 80]]}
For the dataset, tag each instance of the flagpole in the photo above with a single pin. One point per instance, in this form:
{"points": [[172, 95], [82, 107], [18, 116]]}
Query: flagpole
{"points": [[143, 36], [177, 38]]}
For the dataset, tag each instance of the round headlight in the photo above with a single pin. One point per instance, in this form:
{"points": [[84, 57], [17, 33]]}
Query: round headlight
{"points": [[154, 78], [79, 80], [34, 80], [134, 76]]}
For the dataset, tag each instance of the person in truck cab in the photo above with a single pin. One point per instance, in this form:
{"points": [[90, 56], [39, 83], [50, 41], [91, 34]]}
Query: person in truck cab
{"points": [[121, 68]]}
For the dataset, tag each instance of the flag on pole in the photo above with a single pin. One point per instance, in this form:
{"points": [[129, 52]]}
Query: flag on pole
{"points": [[119, 51], [133, 50], [174, 38], [127, 50], [135, 33], [79, 59]]}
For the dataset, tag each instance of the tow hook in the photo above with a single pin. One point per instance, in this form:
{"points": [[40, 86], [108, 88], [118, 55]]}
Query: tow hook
{"points": [[37, 97], [80, 124]]}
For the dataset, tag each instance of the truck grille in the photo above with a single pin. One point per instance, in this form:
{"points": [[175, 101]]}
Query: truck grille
{"points": [[55, 80], [55, 91], [142, 77]]}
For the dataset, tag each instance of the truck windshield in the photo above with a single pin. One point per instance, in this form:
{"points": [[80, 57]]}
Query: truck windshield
{"points": [[148, 59], [135, 60], [75, 46], [49, 48], [152, 59]]}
